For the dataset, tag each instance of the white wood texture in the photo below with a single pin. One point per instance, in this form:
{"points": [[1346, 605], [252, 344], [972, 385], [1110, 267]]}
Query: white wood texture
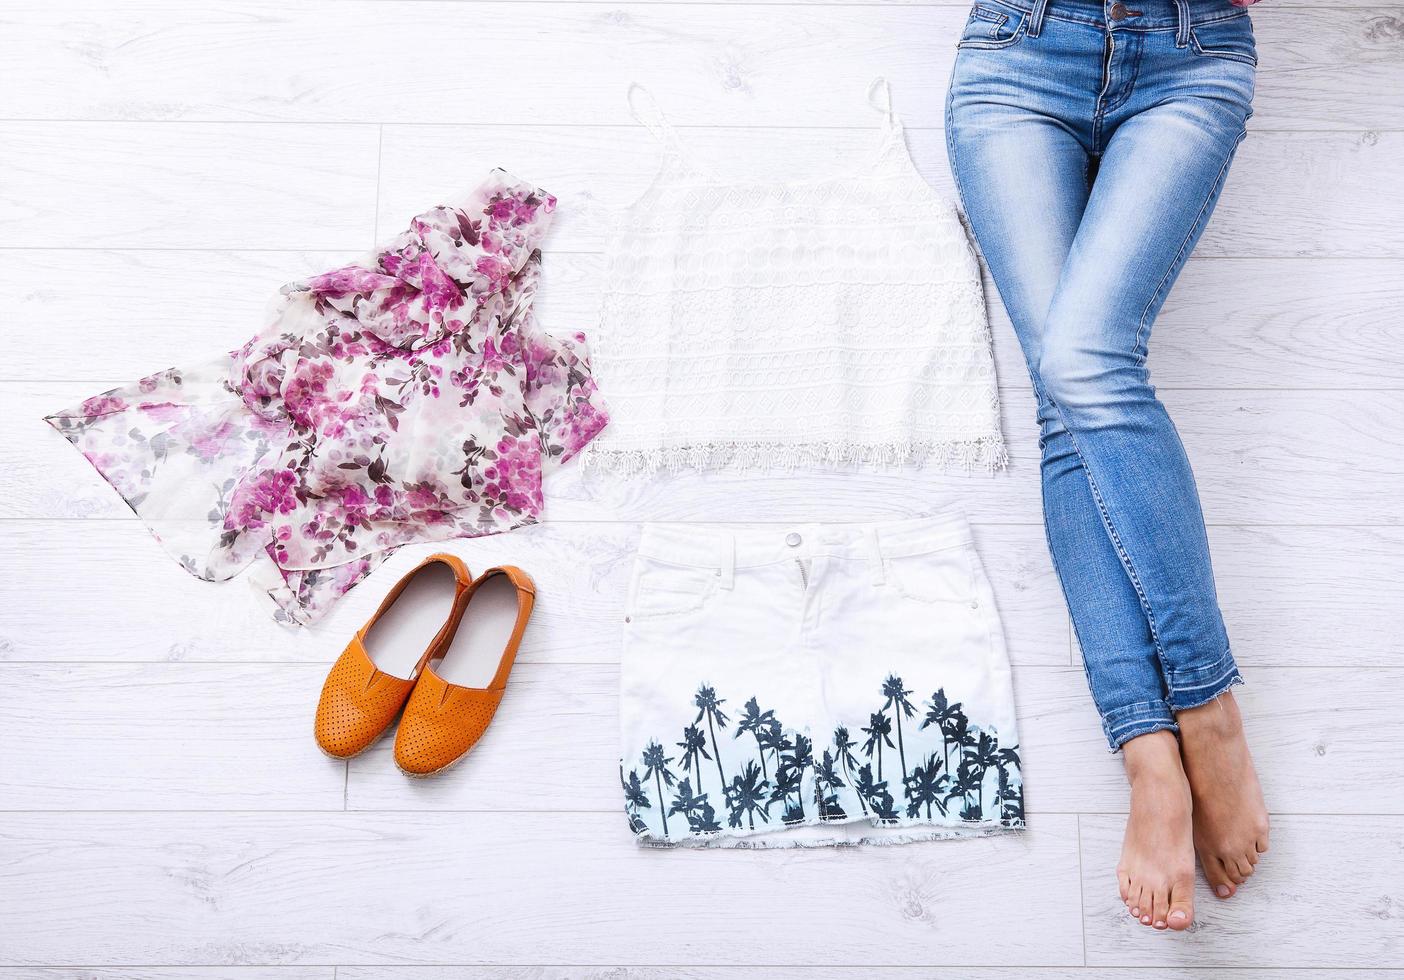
{"points": [[1286, 923], [525, 887], [317, 61], [1243, 323], [164, 813], [84, 737]]}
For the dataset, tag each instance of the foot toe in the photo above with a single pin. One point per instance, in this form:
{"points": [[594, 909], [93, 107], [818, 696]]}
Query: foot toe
{"points": [[1245, 866], [1218, 878], [1181, 904], [1160, 906]]}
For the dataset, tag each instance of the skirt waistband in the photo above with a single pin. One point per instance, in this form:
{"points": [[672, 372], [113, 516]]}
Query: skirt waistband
{"points": [[722, 547]]}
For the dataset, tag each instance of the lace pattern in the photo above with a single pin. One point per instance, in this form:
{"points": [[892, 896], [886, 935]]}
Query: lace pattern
{"points": [[818, 323]]}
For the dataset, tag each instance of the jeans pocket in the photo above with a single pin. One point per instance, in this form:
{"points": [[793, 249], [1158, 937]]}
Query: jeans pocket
{"points": [[991, 26], [1229, 40], [660, 591], [939, 577]]}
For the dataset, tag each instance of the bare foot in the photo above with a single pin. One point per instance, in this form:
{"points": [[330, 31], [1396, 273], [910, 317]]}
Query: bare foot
{"points": [[1156, 871], [1230, 819]]}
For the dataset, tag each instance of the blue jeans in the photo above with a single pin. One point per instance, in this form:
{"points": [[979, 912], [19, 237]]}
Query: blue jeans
{"points": [[1089, 143]]}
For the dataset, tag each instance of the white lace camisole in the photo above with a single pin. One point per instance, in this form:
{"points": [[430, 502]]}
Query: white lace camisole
{"points": [[782, 324]]}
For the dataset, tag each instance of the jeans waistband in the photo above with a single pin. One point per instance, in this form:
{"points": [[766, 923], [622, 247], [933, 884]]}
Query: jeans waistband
{"points": [[710, 546], [1131, 15]]}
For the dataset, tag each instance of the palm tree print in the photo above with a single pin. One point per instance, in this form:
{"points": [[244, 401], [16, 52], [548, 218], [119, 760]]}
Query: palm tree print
{"points": [[826, 783], [656, 766], [709, 707], [948, 718], [755, 721], [694, 746], [746, 797], [635, 799], [960, 772], [982, 757], [791, 775], [879, 730], [1008, 761], [925, 786], [774, 740], [701, 817], [844, 746], [897, 702]]}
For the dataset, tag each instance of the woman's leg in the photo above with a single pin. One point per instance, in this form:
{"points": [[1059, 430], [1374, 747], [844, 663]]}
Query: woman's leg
{"points": [[1020, 135], [1167, 148], [1019, 130], [1025, 228], [1145, 615]]}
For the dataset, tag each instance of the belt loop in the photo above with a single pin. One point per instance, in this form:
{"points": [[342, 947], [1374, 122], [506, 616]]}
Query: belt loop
{"points": [[875, 556], [726, 560], [1182, 34], [1040, 7]]}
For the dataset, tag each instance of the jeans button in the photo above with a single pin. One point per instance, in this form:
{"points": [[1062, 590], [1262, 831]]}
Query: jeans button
{"points": [[793, 540]]}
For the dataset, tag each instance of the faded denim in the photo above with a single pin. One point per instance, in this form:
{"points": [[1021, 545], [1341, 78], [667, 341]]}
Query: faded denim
{"points": [[1089, 143]]}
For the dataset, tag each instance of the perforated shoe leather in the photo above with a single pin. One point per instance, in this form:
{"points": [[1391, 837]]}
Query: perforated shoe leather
{"points": [[359, 700], [443, 721]]}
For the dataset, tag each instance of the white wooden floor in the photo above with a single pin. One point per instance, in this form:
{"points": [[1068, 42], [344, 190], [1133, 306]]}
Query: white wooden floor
{"points": [[165, 166]]}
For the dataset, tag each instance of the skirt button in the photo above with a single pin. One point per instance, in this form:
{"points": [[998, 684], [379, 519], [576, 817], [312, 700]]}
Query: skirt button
{"points": [[793, 540]]}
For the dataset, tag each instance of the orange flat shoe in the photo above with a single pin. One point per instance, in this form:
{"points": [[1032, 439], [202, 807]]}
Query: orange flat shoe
{"points": [[458, 694], [372, 678]]}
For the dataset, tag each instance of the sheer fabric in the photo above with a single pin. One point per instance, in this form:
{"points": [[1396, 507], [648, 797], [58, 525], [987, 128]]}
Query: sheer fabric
{"points": [[409, 397]]}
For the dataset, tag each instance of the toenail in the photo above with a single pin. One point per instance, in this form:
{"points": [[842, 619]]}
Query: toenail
{"points": [[1177, 915], [1159, 924], [1145, 920], [1136, 910], [1224, 891]]}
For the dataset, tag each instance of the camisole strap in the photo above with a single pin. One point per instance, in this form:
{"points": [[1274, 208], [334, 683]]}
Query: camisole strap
{"points": [[880, 98], [644, 109]]}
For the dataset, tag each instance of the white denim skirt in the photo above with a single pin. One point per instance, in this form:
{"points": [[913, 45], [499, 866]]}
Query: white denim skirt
{"points": [[815, 685]]}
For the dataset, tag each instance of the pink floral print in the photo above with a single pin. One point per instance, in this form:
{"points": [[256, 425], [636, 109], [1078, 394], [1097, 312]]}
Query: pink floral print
{"points": [[411, 397]]}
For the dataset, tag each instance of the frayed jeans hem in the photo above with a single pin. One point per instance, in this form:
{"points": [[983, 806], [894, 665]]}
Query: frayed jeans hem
{"points": [[1123, 724], [1200, 685]]}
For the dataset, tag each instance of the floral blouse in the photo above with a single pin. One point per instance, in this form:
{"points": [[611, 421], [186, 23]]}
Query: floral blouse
{"points": [[411, 397]]}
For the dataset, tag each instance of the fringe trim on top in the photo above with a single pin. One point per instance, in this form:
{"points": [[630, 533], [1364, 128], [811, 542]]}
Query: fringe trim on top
{"points": [[986, 453]]}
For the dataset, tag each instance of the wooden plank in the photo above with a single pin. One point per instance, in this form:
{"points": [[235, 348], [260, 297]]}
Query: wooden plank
{"points": [[1277, 323], [170, 973], [419, 887], [1325, 740], [222, 186], [79, 185], [581, 572], [684, 972], [1260, 458], [1291, 913], [211, 736], [1230, 323], [765, 64], [164, 737], [1321, 200], [122, 324], [50, 479], [1315, 753]]}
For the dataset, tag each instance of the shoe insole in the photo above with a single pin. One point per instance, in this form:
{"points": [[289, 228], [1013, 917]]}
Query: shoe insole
{"points": [[487, 625], [399, 638]]}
